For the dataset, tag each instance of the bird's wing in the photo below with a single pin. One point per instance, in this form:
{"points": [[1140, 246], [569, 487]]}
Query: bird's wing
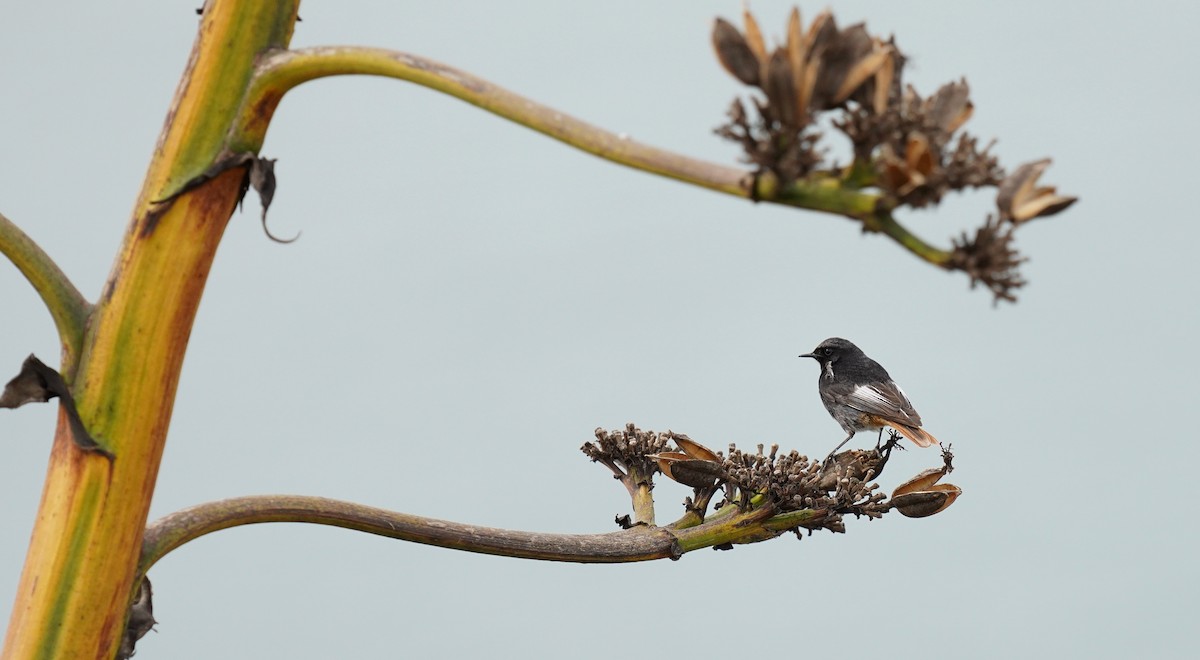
{"points": [[886, 400]]}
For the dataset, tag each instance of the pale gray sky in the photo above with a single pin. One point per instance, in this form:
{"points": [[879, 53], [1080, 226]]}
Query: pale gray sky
{"points": [[470, 299]]}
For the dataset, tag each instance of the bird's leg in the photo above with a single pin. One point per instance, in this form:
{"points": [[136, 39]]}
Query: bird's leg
{"points": [[879, 439], [840, 445]]}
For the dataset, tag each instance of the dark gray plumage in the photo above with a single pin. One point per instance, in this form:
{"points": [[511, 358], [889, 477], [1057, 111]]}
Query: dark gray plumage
{"points": [[861, 396]]}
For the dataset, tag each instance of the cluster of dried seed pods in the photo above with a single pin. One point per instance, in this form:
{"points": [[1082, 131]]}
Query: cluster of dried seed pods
{"points": [[909, 148]]}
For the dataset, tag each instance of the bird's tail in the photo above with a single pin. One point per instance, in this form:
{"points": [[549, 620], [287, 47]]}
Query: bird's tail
{"points": [[919, 436]]}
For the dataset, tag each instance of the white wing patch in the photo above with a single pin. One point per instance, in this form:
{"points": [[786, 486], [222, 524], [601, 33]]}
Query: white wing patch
{"points": [[869, 399]]}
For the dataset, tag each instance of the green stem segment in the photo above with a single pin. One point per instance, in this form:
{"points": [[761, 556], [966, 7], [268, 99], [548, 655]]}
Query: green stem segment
{"points": [[67, 306], [883, 222]]}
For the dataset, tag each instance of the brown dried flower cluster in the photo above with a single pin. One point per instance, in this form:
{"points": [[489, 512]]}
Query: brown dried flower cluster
{"points": [[627, 452], [989, 258], [784, 482], [814, 70], [909, 148], [793, 482], [918, 150]]}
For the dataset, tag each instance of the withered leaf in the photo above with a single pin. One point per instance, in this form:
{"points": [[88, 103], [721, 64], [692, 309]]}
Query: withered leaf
{"points": [[213, 171], [26, 387], [141, 620], [38, 383], [260, 174], [1019, 199], [262, 179], [734, 53]]}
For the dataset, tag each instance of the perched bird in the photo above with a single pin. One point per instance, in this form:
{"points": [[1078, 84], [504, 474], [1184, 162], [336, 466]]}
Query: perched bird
{"points": [[861, 396]]}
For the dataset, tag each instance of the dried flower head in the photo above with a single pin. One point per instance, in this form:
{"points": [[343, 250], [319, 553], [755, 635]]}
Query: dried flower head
{"points": [[990, 259], [919, 152], [909, 150], [626, 452], [792, 482], [813, 70]]}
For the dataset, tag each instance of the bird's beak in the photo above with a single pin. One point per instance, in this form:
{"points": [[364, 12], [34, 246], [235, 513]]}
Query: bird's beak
{"points": [[808, 355]]}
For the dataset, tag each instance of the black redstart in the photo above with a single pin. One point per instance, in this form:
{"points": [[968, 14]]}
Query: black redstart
{"points": [[861, 396]]}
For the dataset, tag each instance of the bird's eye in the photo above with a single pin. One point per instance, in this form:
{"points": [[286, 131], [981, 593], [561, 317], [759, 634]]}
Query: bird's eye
{"points": [[826, 351]]}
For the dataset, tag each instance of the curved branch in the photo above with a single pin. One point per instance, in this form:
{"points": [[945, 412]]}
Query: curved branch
{"points": [[280, 71], [283, 70], [67, 306], [637, 544], [640, 543]]}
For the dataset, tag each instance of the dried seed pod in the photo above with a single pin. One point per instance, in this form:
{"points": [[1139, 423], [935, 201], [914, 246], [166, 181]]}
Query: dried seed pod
{"points": [[1019, 199], [923, 496], [781, 93], [950, 107], [754, 36], [694, 449], [688, 471], [862, 71], [734, 53], [926, 503]]}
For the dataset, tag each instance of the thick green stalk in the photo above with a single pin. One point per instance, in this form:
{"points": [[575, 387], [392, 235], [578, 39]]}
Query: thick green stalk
{"points": [[74, 591]]}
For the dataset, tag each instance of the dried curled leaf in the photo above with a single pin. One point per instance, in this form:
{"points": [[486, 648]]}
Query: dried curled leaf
{"points": [[38, 383], [28, 386], [141, 620], [260, 175], [1020, 199]]}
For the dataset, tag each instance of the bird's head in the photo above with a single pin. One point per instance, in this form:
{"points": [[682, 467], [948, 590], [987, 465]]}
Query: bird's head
{"points": [[832, 349]]}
